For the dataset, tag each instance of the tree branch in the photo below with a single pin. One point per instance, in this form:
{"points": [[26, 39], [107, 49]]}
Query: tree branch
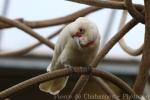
{"points": [[107, 4], [53, 22], [122, 43], [145, 63], [113, 41], [29, 48], [64, 72], [28, 30]]}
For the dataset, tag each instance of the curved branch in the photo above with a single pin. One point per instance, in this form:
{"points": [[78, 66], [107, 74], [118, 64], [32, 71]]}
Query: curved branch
{"points": [[29, 48], [107, 4], [122, 43], [143, 73], [108, 46], [53, 22], [28, 30], [113, 41], [106, 88], [129, 50], [134, 13], [64, 72]]}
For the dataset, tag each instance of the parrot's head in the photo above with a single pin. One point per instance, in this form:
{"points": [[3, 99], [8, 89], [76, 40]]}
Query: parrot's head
{"points": [[84, 33]]}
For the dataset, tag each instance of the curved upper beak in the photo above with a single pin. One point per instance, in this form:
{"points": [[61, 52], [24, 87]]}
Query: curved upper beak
{"points": [[76, 39]]}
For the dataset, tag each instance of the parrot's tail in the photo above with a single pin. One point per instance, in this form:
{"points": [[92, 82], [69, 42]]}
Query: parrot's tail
{"points": [[54, 86]]}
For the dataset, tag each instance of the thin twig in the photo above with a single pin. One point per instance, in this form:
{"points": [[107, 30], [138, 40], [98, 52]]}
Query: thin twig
{"points": [[145, 63], [56, 21], [129, 50], [28, 30], [64, 72], [122, 43]]}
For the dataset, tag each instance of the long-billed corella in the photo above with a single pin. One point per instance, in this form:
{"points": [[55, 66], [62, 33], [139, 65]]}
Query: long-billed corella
{"points": [[77, 45]]}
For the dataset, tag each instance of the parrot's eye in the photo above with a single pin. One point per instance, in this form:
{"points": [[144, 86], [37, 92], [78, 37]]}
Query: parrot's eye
{"points": [[79, 33], [81, 30]]}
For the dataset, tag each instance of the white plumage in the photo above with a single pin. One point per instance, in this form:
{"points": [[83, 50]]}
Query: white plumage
{"points": [[77, 45]]}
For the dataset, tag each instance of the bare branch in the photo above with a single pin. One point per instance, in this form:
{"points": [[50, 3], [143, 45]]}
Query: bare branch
{"points": [[53, 22], [106, 88], [29, 48], [107, 4], [145, 63], [64, 72], [113, 41], [28, 30], [134, 13], [122, 43]]}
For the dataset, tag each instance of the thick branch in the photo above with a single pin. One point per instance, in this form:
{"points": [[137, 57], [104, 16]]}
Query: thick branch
{"points": [[64, 72], [145, 63]]}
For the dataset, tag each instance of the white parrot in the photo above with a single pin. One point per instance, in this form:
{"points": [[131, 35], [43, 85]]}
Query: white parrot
{"points": [[77, 45]]}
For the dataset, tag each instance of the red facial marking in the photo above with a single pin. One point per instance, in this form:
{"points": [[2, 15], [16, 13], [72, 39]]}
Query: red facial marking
{"points": [[78, 34]]}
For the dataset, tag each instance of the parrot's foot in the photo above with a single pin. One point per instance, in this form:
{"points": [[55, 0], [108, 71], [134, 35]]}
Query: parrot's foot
{"points": [[70, 67], [88, 70], [67, 66]]}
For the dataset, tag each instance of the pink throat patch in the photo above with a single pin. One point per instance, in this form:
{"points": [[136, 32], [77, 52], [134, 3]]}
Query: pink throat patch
{"points": [[78, 34]]}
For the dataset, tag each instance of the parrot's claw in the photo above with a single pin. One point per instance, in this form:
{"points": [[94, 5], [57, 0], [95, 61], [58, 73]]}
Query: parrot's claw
{"points": [[70, 67], [67, 66], [88, 69]]}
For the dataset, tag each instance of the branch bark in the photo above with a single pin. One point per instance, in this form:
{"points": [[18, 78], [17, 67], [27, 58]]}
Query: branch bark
{"points": [[107, 4], [55, 21], [27, 49], [64, 72], [28, 30], [113, 41], [122, 43], [145, 63]]}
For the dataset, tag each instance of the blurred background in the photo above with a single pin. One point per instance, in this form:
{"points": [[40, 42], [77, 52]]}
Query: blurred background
{"points": [[16, 69]]}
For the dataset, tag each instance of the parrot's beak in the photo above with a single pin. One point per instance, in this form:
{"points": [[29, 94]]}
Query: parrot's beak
{"points": [[76, 39]]}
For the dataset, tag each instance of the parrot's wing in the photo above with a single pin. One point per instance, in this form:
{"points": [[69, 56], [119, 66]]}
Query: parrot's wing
{"points": [[59, 47], [55, 86]]}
